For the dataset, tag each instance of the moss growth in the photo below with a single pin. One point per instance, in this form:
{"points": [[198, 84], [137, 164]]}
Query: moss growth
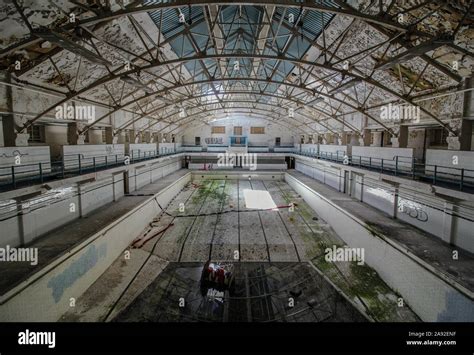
{"points": [[373, 229], [209, 189], [368, 285]]}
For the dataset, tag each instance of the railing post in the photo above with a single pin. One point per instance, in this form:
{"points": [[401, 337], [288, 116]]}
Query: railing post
{"points": [[41, 171], [396, 165], [106, 162], [116, 159], [462, 179], [370, 162], [13, 177], [93, 162], [413, 168], [80, 167], [360, 161], [434, 176], [62, 168], [381, 171]]}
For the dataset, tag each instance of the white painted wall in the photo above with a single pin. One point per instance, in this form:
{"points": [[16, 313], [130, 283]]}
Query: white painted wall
{"points": [[448, 158], [88, 151], [429, 213], [43, 214], [401, 270], [388, 154], [29, 158], [272, 130], [141, 149], [44, 296]]}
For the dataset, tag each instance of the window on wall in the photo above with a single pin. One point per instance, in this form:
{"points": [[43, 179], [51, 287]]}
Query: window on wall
{"points": [[257, 130], [36, 133], [218, 130], [438, 137], [104, 136], [237, 130]]}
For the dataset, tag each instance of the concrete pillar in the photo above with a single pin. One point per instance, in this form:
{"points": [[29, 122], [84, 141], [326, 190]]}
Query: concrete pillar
{"points": [[147, 137], [72, 133], [21, 139], [402, 140], [354, 140], [135, 136], [448, 235], [81, 138], [327, 138], [364, 140], [95, 136], [463, 140], [109, 135], [377, 139], [119, 138], [342, 139], [8, 120]]}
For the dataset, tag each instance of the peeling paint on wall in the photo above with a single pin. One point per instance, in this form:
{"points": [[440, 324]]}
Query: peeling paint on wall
{"points": [[76, 270]]}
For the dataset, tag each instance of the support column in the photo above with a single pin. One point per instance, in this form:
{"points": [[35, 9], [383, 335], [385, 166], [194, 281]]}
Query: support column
{"points": [[8, 120], [72, 133], [109, 135], [377, 139], [147, 137], [463, 140], [354, 140], [448, 235], [364, 140], [119, 138], [342, 139], [402, 140], [327, 138]]}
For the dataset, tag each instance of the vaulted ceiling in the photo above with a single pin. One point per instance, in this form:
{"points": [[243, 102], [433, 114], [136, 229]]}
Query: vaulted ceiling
{"points": [[182, 63]]}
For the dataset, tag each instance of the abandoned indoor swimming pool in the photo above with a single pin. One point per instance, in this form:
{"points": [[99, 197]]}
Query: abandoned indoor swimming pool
{"points": [[235, 246], [193, 173]]}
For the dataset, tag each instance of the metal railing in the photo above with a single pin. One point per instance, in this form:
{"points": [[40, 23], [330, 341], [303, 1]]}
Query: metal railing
{"points": [[15, 176], [12, 177], [445, 176]]}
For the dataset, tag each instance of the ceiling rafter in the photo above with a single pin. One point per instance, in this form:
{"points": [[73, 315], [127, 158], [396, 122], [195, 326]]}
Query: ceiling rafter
{"points": [[254, 52]]}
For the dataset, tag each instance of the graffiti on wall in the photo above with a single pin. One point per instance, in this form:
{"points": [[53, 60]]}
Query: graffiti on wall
{"points": [[214, 140], [412, 209]]}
